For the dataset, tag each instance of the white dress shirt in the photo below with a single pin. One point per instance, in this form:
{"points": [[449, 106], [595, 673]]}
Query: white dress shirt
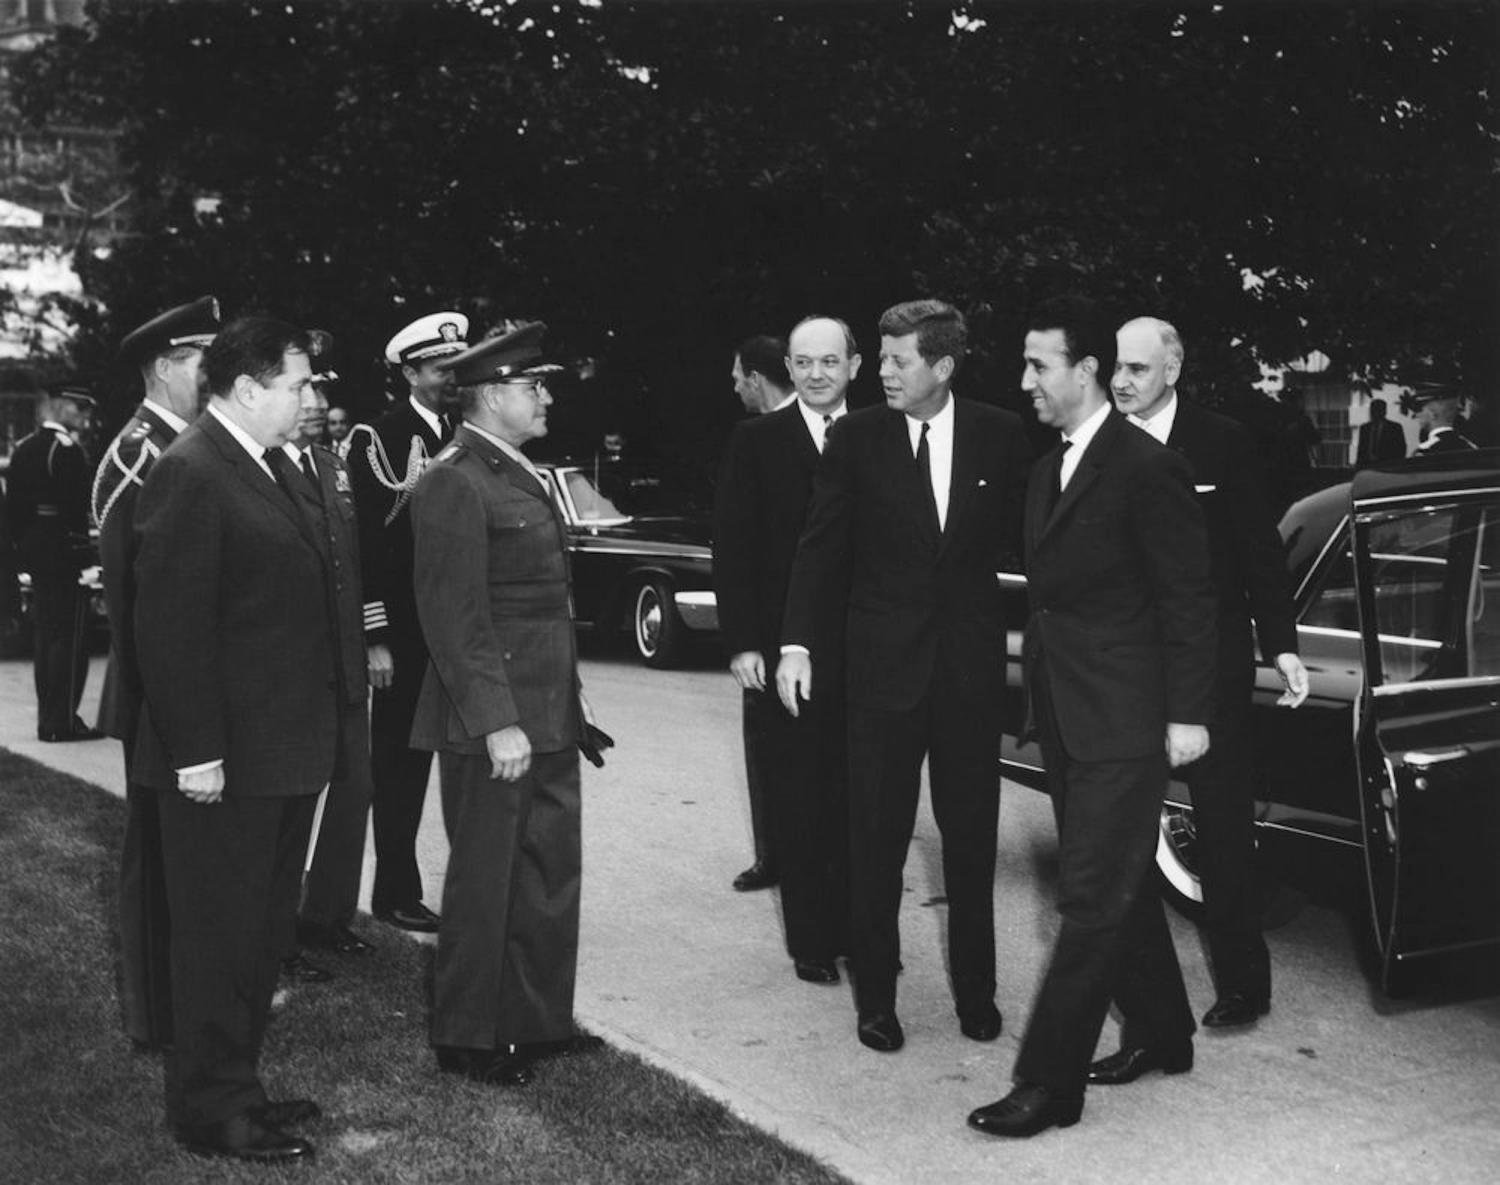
{"points": [[939, 453], [256, 450], [169, 417], [817, 425], [509, 450], [430, 417], [1159, 425], [1080, 439]]}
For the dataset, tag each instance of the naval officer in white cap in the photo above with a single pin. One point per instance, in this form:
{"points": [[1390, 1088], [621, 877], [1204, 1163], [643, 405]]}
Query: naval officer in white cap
{"points": [[385, 460]]}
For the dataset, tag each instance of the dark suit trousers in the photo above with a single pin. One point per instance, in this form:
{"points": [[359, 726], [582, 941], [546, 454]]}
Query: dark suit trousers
{"points": [[59, 658], [1223, 791], [400, 775], [803, 764], [507, 954], [885, 765], [233, 872], [1114, 939], [145, 924], [756, 723], [330, 894]]}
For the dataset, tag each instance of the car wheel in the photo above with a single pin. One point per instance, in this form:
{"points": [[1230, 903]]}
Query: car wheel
{"points": [[1176, 862], [659, 629]]}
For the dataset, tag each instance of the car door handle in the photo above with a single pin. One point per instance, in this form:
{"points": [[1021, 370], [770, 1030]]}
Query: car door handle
{"points": [[1426, 758]]}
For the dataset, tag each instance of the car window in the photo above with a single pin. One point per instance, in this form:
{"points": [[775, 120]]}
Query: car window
{"points": [[1334, 605], [1435, 580], [591, 505]]}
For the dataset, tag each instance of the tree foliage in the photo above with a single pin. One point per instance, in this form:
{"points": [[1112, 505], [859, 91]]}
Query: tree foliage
{"points": [[659, 180]]}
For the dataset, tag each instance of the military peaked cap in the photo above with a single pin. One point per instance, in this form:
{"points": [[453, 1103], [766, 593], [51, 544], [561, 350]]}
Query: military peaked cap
{"points": [[192, 324], [516, 354], [433, 336]]}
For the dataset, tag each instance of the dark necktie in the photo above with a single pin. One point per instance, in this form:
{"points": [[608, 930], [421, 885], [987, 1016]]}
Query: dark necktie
{"points": [[1054, 492], [827, 424], [305, 463], [281, 469], [924, 475]]}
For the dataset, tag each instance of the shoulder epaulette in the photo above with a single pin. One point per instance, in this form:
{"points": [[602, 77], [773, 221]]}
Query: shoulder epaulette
{"points": [[117, 472], [451, 451]]}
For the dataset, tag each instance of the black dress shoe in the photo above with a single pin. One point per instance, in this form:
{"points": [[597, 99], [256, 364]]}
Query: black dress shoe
{"points": [[243, 1137], [77, 731], [1234, 1009], [757, 876], [1026, 1110], [1129, 1064], [982, 1024], [413, 916], [338, 938], [287, 1112], [816, 970], [881, 1031], [490, 1067], [577, 1044], [300, 969]]}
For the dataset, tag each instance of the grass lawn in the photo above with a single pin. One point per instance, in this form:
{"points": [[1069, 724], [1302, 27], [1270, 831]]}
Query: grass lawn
{"points": [[77, 1105]]}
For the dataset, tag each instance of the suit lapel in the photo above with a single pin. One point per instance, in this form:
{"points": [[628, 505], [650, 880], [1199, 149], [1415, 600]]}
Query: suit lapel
{"points": [[256, 478], [1095, 455], [902, 465], [965, 470]]}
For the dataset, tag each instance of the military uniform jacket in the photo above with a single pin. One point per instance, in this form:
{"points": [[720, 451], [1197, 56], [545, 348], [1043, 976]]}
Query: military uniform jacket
{"points": [[122, 472], [494, 598], [386, 459], [47, 501]]}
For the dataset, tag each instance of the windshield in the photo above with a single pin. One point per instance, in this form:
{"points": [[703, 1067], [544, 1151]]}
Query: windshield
{"points": [[619, 490]]}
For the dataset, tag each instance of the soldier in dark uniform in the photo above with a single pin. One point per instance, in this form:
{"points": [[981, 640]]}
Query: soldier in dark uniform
{"points": [[385, 460], [167, 350], [47, 518], [1438, 420], [502, 706]]}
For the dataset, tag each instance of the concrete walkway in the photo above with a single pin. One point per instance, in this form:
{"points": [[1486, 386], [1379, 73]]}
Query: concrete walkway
{"points": [[1335, 1085]]}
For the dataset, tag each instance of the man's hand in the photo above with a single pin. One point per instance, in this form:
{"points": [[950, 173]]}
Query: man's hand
{"points": [[749, 670], [204, 785], [509, 750], [1294, 676], [794, 679], [381, 665], [1185, 743]]}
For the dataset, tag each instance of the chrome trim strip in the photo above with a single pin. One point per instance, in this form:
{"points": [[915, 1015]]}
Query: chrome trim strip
{"points": [[1437, 684]]}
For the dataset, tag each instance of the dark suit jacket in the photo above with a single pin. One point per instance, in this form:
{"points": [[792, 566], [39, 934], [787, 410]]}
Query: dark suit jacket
{"points": [[759, 512], [380, 456], [231, 625], [117, 485], [493, 592], [916, 597], [1389, 444], [1122, 609], [1247, 562], [1450, 440]]}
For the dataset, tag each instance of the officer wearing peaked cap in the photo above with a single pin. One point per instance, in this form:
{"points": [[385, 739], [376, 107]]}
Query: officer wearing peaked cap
{"points": [[167, 351], [385, 460], [1438, 420], [502, 706], [46, 513]]}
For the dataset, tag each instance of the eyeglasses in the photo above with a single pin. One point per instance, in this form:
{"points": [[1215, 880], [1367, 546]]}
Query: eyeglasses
{"points": [[533, 387]]}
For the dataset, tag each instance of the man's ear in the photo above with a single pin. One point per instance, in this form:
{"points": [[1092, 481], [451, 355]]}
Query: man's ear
{"points": [[854, 361]]}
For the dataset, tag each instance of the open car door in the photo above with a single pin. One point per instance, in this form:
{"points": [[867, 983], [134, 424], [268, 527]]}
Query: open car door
{"points": [[1427, 566]]}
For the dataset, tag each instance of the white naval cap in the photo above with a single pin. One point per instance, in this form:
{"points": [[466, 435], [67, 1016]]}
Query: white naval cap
{"points": [[433, 336]]}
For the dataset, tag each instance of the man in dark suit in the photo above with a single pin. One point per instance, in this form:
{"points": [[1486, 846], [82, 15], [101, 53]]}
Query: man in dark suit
{"points": [[502, 706], [1437, 420], [47, 519], [1379, 439], [763, 385], [1119, 657], [800, 762], [1250, 584], [168, 351], [386, 460], [331, 891], [238, 730], [913, 506]]}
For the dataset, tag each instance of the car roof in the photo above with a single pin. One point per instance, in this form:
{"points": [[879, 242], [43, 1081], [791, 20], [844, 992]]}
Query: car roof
{"points": [[1435, 473]]}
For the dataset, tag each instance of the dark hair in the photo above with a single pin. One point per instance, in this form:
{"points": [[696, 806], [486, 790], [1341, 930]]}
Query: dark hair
{"points": [[940, 328], [1086, 331], [254, 346], [1377, 405], [765, 354]]}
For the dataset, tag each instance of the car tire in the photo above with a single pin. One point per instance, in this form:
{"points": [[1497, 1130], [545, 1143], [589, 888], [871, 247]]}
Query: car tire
{"points": [[657, 628], [1176, 862]]}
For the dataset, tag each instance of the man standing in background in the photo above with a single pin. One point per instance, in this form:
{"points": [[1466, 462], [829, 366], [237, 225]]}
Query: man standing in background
{"points": [[168, 352], [1250, 583], [386, 460], [798, 764]]}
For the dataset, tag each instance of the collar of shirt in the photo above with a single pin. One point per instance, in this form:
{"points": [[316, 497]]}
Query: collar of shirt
{"points": [[294, 454], [1080, 438], [785, 400], [1159, 425], [429, 417], [939, 453], [257, 451], [814, 420], [167, 416], [508, 449]]}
